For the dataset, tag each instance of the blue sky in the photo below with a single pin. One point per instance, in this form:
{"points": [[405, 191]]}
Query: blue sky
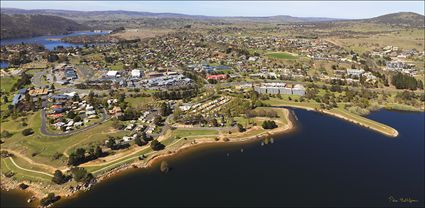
{"points": [[346, 9]]}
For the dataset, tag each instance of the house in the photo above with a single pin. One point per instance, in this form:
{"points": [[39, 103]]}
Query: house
{"points": [[116, 110], [355, 72], [129, 127], [16, 99], [91, 113], [112, 74], [37, 92], [23, 91], [127, 138], [135, 73], [70, 74], [217, 77]]}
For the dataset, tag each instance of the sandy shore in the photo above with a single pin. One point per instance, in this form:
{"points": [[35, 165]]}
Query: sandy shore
{"points": [[39, 190]]}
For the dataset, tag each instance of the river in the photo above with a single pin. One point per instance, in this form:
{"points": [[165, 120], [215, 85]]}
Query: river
{"points": [[50, 41], [325, 162]]}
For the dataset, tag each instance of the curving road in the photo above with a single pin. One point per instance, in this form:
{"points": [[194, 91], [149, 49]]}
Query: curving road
{"points": [[43, 128]]}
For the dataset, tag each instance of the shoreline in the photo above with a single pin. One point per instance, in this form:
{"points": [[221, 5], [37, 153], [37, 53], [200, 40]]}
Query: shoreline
{"points": [[394, 133], [37, 190]]}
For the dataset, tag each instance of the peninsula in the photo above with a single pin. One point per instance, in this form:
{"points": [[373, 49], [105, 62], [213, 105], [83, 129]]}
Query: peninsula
{"points": [[154, 85]]}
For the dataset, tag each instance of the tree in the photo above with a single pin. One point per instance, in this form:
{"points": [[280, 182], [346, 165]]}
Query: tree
{"points": [[241, 128], [268, 124], [156, 145], [81, 175], [71, 115], [27, 132], [77, 119], [139, 141], [59, 177], [49, 199], [5, 134], [77, 157], [110, 143], [98, 152], [5, 99]]}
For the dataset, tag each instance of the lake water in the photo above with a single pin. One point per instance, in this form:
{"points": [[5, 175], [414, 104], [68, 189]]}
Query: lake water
{"points": [[50, 44], [325, 162], [3, 65]]}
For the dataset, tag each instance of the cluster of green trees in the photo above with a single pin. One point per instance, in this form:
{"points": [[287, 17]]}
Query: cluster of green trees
{"points": [[60, 178], [129, 114], [80, 174], [79, 156], [165, 109], [269, 124], [261, 113], [24, 80], [116, 146], [402, 81], [142, 139], [156, 145]]}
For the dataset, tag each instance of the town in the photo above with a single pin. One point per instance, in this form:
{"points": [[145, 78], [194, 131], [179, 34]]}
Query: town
{"points": [[72, 115]]}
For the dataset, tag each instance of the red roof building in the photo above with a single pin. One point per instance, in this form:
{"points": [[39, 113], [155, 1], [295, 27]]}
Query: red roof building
{"points": [[217, 77]]}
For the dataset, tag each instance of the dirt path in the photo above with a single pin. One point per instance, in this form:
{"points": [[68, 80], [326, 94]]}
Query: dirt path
{"points": [[48, 167], [33, 171]]}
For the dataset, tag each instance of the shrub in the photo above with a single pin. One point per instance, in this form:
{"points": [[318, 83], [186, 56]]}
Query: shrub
{"points": [[59, 177], [27, 132], [268, 124], [49, 199], [5, 134]]}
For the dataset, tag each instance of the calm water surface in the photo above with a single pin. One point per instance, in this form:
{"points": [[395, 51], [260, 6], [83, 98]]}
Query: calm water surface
{"points": [[326, 162], [47, 43], [3, 64]]}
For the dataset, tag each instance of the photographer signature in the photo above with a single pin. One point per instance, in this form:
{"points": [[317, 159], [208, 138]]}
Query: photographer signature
{"points": [[402, 200]]}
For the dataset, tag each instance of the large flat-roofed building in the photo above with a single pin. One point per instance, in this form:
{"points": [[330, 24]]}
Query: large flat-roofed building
{"points": [[280, 88]]}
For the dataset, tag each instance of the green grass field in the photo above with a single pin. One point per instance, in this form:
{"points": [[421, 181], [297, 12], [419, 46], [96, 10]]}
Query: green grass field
{"points": [[6, 83], [139, 101], [281, 55], [193, 133]]}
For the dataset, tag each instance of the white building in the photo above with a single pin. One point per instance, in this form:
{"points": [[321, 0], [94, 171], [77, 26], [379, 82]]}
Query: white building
{"points": [[136, 73], [112, 74]]}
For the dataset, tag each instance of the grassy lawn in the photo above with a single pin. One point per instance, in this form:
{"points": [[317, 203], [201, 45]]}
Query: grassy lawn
{"points": [[285, 102], [44, 147], [7, 165], [281, 55], [139, 101], [193, 133], [6, 83]]}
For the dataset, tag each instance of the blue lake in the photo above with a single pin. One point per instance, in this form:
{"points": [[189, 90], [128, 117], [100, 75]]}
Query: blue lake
{"points": [[47, 42], [326, 162]]}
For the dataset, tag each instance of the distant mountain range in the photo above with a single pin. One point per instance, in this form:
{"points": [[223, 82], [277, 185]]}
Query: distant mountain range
{"points": [[17, 26], [96, 15], [23, 23], [402, 19]]}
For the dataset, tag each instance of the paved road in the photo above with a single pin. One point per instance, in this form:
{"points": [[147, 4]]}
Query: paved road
{"points": [[37, 79], [43, 128]]}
